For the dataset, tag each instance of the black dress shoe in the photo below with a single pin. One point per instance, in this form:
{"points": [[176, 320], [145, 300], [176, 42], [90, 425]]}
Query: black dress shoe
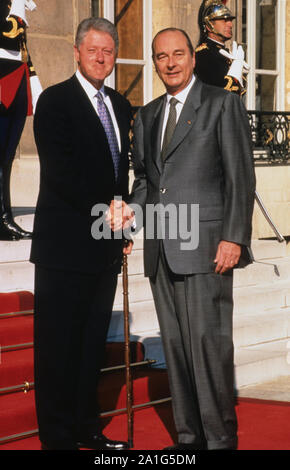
{"points": [[101, 442], [184, 446]]}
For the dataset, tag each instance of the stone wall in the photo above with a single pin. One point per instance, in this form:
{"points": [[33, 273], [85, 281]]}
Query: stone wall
{"points": [[177, 13]]}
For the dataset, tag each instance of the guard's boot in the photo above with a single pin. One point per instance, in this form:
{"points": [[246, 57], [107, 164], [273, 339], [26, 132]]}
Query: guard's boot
{"points": [[10, 231]]}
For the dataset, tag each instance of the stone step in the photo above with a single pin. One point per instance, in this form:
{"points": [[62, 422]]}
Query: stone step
{"points": [[24, 217], [263, 272], [142, 317], [273, 294], [14, 256], [138, 289], [263, 297], [261, 327], [19, 250], [277, 389], [263, 362], [265, 249], [135, 262], [16, 276], [247, 299], [152, 342], [16, 251], [262, 249]]}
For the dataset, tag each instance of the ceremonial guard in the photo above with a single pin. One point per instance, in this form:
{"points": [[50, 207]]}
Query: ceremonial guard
{"points": [[19, 89], [215, 64]]}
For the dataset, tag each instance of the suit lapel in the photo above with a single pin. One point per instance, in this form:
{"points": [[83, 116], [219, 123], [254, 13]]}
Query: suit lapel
{"points": [[86, 108], [186, 118], [92, 121], [156, 132]]}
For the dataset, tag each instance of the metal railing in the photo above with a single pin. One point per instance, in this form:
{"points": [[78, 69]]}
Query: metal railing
{"points": [[270, 136]]}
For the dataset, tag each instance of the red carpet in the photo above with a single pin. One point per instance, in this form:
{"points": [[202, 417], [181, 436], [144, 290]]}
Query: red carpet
{"points": [[263, 425], [16, 367], [15, 301], [16, 332]]}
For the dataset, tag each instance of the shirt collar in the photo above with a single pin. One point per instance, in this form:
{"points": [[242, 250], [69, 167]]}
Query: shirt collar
{"points": [[182, 95], [88, 87], [217, 42]]}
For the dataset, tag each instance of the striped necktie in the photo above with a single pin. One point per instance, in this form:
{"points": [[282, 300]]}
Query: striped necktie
{"points": [[108, 126]]}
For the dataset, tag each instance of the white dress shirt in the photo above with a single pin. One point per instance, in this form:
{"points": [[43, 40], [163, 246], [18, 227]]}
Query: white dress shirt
{"points": [[91, 92], [181, 97]]}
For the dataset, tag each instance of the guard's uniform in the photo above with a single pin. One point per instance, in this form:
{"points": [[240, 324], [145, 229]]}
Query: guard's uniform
{"points": [[212, 67], [15, 62], [15, 104]]}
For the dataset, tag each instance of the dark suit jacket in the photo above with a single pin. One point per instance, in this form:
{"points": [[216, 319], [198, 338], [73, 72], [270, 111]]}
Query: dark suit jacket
{"points": [[76, 172], [209, 163]]}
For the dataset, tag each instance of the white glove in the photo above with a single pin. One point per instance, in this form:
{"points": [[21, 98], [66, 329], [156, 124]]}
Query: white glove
{"points": [[238, 64], [30, 5], [18, 8], [36, 90]]}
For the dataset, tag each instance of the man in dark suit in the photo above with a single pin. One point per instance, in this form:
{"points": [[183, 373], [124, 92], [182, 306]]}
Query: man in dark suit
{"points": [[192, 147], [83, 163]]}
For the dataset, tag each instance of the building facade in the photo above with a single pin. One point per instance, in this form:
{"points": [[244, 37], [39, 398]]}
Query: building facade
{"points": [[262, 26]]}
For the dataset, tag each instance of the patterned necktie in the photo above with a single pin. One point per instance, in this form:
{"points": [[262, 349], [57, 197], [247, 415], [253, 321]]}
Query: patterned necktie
{"points": [[107, 123], [170, 126]]}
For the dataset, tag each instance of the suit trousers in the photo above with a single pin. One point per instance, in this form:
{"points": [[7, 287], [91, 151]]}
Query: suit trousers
{"points": [[72, 316], [195, 317]]}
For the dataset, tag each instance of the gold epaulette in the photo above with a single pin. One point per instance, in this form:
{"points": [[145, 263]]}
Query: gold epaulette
{"points": [[201, 47]]}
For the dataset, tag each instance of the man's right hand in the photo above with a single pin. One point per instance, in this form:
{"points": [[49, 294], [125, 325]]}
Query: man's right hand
{"points": [[120, 215]]}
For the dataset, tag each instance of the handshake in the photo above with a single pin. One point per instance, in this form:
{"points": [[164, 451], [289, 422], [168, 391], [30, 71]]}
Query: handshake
{"points": [[119, 217]]}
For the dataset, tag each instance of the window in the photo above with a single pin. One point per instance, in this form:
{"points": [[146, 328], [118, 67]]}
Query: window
{"points": [[264, 34], [133, 72]]}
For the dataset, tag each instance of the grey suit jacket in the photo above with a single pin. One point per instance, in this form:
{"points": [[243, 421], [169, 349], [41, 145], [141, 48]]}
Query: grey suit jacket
{"points": [[208, 163]]}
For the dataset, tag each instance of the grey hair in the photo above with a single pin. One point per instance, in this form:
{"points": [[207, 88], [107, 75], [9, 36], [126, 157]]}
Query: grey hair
{"points": [[98, 24], [188, 40]]}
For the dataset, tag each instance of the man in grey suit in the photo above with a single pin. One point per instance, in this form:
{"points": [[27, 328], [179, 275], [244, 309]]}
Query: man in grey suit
{"points": [[192, 147]]}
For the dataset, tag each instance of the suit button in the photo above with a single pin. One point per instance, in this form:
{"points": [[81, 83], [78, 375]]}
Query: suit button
{"points": [[163, 190]]}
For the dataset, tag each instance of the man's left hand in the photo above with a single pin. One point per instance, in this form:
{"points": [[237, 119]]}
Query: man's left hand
{"points": [[227, 256]]}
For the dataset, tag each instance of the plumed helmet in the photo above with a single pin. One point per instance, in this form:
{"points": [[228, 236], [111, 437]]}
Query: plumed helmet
{"points": [[211, 10]]}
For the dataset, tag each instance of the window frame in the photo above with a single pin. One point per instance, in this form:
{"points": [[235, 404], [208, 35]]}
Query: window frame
{"points": [[279, 72], [146, 63]]}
